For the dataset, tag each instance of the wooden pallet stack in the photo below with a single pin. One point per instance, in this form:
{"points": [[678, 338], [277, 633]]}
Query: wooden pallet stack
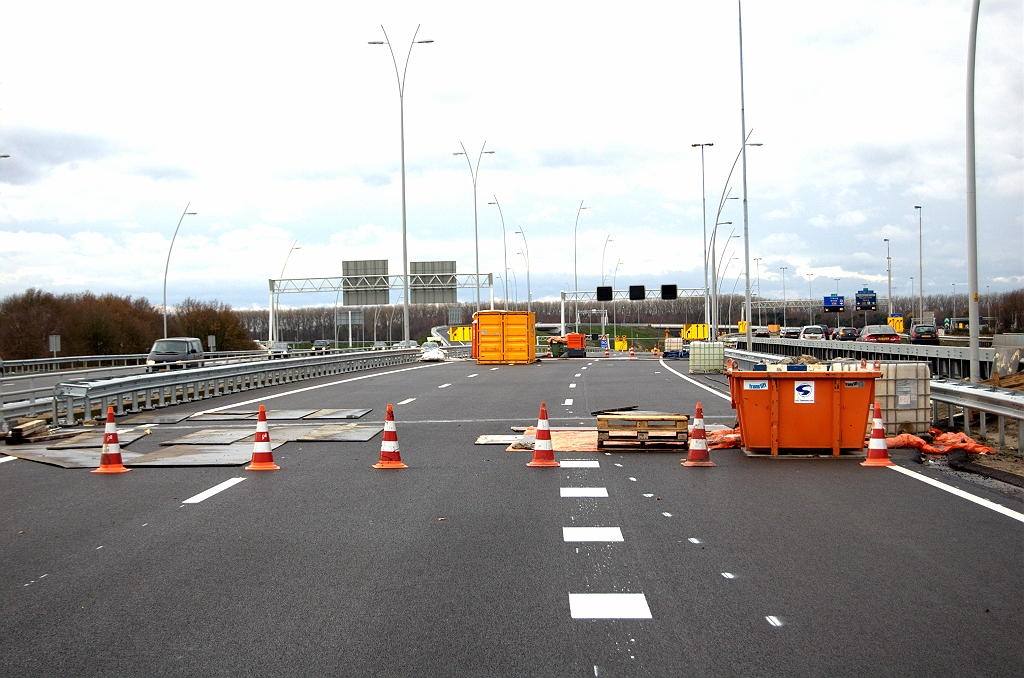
{"points": [[642, 430], [29, 430]]}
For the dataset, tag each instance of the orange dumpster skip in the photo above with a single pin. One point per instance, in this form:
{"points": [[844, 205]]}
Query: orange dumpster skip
{"points": [[802, 411]]}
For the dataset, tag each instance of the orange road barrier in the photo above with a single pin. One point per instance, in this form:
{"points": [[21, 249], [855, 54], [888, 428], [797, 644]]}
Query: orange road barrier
{"points": [[390, 455], [110, 456], [698, 454], [543, 453], [878, 451], [262, 455]]}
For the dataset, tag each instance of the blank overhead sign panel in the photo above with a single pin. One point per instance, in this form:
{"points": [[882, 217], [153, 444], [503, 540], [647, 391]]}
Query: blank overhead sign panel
{"points": [[433, 282], [368, 284]]}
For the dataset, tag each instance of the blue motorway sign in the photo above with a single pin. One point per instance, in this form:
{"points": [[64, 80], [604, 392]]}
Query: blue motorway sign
{"points": [[867, 300], [835, 303]]}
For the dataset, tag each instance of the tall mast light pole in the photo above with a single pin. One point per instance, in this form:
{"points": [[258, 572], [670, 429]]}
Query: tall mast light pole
{"points": [[168, 264], [474, 174]]}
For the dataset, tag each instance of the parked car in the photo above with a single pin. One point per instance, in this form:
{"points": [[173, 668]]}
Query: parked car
{"points": [[812, 332], [432, 352], [790, 333], [924, 334], [761, 331], [880, 334], [845, 334], [279, 349], [321, 345], [175, 353]]}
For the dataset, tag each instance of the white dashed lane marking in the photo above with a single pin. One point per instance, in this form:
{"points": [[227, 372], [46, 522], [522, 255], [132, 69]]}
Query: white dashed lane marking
{"points": [[572, 385], [470, 376], [406, 401], [583, 491], [773, 620], [568, 401], [591, 534], [3, 459], [580, 463], [619, 465], [666, 514], [728, 575], [212, 491], [577, 375], [493, 368], [632, 478], [444, 385], [609, 606], [694, 540]]}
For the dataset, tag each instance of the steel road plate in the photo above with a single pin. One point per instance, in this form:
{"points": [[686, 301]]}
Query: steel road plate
{"points": [[72, 458], [157, 418], [198, 455], [94, 439], [212, 436], [338, 414], [347, 433]]}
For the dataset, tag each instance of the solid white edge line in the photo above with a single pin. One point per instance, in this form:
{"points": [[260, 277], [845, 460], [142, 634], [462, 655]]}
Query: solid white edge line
{"points": [[311, 388], [1010, 513], [696, 383], [3, 459], [212, 491]]}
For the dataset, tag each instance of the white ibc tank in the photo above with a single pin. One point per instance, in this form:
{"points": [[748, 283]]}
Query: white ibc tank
{"points": [[707, 356]]}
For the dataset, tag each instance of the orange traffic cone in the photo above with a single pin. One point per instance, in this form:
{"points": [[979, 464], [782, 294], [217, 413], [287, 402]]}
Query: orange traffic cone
{"points": [[110, 457], [390, 455], [543, 454], [607, 353], [262, 455], [655, 352], [631, 353], [878, 451], [698, 454]]}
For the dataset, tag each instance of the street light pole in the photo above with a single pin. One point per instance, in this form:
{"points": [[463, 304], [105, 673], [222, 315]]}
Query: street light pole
{"points": [[575, 280], [973, 324], [276, 335], [920, 262], [810, 299], [168, 264], [474, 174], [529, 296], [401, 116], [783, 269], [760, 299], [704, 206], [746, 221], [838, 315], [606, 241], [888, 270], [504, 247], [614, 318]]}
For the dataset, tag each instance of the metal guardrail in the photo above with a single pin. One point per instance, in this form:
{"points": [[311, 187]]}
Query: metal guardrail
{"points": [[947, 361], [148, 391], [36, 365]]}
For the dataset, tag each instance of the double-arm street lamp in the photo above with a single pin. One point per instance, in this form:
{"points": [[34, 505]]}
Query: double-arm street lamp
{"points": [[888, 271], [168, 264], [920, 262], [783, 269], [474, 174], [526, 246], [704, 207], [401, 115]]}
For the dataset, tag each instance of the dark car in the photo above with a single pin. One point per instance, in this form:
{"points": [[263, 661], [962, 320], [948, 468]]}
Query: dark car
{"points": [[880, 334], [924, 334], [321, 345], [790, 333], [845, 334], [175, 353]]}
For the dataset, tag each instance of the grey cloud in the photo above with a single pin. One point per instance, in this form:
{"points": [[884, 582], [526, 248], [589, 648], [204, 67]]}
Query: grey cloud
{"points": [[165, 173], [570, 157], [34, 152], [376, 179]]}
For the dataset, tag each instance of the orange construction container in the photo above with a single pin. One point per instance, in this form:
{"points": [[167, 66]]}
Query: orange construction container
{"points": [[504, 337], [576, 340], [802, 411]]}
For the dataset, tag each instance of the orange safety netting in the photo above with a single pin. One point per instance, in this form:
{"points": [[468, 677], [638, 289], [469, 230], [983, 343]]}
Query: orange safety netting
{"points": [[943, 443], [724, 439]]}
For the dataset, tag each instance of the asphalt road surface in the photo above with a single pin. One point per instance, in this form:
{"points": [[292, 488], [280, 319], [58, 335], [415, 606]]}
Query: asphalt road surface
{"points": [[460, 565]]}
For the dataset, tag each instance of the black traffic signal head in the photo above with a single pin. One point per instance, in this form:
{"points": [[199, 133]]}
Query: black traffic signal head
{"points": [[604, 293], [669, 292], [637, 293]]}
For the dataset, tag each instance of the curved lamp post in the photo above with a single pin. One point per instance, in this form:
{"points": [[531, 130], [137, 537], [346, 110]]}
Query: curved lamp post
{"points": [[401, 112], [168, 264], [529, 296], [277, 298], [504, 247], [575, 280], [704, 207], [474, 174], [783, 269]]}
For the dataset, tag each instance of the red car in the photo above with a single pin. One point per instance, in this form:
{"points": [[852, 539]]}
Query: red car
{"points": [[880, 334]]}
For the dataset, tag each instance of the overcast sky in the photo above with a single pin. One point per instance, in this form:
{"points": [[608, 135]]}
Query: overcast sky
{"points": [[277, 122]]}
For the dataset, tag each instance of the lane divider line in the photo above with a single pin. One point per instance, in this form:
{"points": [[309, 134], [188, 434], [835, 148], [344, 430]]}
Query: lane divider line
{"points": [[572, 385], [591, 534], [470, 376], [609, 606], [493, 368], [3, 459], [728, 575], [716, 392], [212, 491], [406, 401], [444, 385], [666, 514], [568, 401], [998, 508], [263, 399], [773, 620], [577, 375], [583, 491]]}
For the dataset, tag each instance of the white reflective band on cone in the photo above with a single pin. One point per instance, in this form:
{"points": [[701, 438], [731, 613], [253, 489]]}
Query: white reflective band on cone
{"points": [[698, 444], [389, 446]]}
